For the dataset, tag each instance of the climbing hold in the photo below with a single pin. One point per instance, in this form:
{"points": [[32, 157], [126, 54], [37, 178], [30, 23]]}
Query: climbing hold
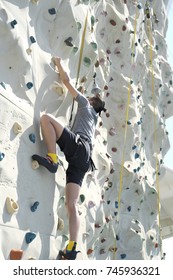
{"points": [[34, 1], [32, 137], [2, 155], [29, 237], [129, 208], [75, 49], [87, 61], [86, 2], [116, 204], [79, 25], [68, 41], [32, 39], [112, 131], [82, 198], [114, 149], [29, 51], [60, 225], [112, 22], [136, 155], [123, 256], [16, 254], [52, 11], [139, 6], [89, 251], [124, 28], [13, 23], [34, 206], [29, 85], [3, 85], [103, 240], [11, 206], [97, 225], [35, 164], [17, 128], [102, 251], [93, 45], [92, 20], [91, 204]]}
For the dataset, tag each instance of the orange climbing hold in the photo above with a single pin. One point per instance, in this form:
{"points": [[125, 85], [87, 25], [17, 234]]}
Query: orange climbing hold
{"points": [[16, 254]]}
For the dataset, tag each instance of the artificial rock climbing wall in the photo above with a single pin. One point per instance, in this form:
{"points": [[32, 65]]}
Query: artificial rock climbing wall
{"points": [[125, 50]]}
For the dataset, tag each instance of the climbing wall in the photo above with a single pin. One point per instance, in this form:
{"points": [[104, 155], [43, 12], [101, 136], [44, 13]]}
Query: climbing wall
{"points": [[125, 50]]}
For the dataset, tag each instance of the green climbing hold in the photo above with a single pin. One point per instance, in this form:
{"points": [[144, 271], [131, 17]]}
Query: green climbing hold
{"points": [[79, 25], [82, 198], [94, 45], [75, 49], [87, 61], [92, 20]]}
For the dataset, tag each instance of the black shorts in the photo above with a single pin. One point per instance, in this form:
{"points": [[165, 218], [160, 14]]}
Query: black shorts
{"points": [[77, 152]]}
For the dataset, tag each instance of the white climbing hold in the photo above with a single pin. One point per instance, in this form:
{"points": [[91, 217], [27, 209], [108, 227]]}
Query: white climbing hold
{"points": [[60, 224], [35, 164], [17, 128], [29, 51], [57, 87], [34, 1], [11, 205]]}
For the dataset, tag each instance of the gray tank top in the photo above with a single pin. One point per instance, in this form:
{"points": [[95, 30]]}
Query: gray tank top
{"points": [[86, 118]]}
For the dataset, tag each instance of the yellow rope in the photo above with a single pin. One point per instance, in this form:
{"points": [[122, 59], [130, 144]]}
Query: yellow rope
{"points": [[155, 135], [81, 48], [79, 63], [126, 125]]}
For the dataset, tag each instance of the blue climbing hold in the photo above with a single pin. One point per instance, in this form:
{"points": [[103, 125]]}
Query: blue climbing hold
{"points": [[32, 39], [34, 206], [123, 256], [116, 204], [134, 147], [29, 237], [2, 155], [32, 137], [139, 6], [29, 85], [13, 23], [52, 11], [136, 155], [129, 208], [3, 85]]}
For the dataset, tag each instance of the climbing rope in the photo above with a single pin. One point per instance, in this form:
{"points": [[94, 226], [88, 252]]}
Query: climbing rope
{"points": [[126, 124], [79, 63]]}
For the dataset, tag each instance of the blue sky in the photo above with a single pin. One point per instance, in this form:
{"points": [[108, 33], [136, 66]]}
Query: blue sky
{"points": [[168, 160]]}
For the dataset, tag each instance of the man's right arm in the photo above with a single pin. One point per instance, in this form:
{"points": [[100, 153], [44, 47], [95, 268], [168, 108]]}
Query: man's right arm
{"points": [[65, 78]]}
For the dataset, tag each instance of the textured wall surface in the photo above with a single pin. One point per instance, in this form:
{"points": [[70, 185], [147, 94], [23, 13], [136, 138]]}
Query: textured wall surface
{"points": [[119, 205]]}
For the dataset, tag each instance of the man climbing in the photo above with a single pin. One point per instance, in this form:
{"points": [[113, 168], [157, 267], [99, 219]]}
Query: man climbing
{"points": [[76, 144]]}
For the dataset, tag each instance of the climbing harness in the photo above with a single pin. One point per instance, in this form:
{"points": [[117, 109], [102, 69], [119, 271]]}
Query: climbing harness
{"points": [[79, 64]]}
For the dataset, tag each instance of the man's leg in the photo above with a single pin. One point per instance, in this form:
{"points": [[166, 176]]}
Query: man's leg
{"points": [[51, 131], [72, 195]]}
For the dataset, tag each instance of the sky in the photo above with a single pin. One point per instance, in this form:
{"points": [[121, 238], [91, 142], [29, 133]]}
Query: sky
{"points": [[168, 159]]}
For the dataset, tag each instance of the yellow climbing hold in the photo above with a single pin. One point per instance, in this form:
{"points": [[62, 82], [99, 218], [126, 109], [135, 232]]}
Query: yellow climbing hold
{"points": [[17, 128], [11, 205]]}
